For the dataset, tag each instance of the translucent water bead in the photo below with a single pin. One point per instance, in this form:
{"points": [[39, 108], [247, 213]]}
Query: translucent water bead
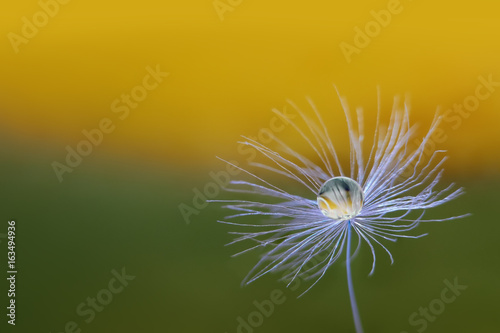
{"points": [[340, 198]]}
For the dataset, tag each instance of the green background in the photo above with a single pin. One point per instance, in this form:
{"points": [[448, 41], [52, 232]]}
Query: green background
{"points": [[113, 213]]}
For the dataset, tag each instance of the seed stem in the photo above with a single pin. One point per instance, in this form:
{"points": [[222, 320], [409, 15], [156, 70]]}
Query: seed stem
{"points": [[354, 305]]}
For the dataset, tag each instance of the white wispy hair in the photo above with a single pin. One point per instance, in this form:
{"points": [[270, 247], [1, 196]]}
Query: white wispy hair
{"points": [[298, 233]]}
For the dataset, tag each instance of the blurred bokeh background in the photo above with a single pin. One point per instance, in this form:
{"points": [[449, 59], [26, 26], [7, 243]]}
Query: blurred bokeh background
{"points": [[69, 68]]}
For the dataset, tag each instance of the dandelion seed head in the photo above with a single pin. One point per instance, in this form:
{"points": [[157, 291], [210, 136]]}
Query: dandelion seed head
{"points": [[374, 198]]}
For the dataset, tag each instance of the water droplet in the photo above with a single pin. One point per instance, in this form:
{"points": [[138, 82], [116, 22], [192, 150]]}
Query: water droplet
{"points": [[340, 198]]}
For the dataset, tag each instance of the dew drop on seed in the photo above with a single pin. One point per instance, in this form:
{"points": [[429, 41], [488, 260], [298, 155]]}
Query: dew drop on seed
{"points": [[340, 198]]}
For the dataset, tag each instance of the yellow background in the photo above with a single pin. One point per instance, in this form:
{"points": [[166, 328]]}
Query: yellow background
{"points": [[227, 75]]}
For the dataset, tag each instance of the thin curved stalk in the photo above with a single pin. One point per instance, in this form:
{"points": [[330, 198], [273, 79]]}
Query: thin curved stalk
{"points": [[354, 305]]}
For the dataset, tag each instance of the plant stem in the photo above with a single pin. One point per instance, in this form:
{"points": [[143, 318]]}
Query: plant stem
{"points": [[354, 305]]}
